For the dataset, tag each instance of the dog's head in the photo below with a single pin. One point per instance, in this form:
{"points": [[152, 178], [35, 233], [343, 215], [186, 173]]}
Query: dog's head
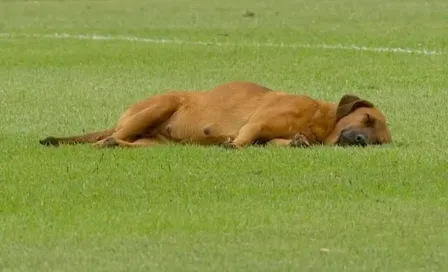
{"points": [[359, 123]]}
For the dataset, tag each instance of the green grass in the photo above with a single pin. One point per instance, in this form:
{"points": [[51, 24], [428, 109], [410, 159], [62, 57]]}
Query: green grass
{"points": [[187, 208]]}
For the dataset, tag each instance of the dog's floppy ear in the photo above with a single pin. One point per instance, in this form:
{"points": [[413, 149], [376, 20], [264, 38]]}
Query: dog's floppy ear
{"points": [[349, 103]]}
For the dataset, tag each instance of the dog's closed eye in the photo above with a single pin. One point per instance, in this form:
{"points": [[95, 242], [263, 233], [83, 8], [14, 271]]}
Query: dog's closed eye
{"points": [[369, 120]]}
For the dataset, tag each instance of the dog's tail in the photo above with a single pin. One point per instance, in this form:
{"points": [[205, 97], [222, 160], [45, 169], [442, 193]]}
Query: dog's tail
{"points": [[78, 139]]}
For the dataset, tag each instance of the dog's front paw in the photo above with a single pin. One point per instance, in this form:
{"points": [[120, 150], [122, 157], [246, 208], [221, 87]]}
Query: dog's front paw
{"points": [[299, 140], [49, 141]]}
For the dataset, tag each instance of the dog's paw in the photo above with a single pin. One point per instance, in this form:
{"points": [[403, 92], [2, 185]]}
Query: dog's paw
{"points": [[229, 144], [299, 140], [106, 143], [110, 142], [49, 141]]}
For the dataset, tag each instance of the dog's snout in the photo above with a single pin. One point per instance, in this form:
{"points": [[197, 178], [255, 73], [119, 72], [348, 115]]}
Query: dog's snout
{"points": [[353, 137]]}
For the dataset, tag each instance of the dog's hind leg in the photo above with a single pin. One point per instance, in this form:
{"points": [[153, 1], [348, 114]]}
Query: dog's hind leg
{"points": [[158, 111], [78, 139], [142, 142]]}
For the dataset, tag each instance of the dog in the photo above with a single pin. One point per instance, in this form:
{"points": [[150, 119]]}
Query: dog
{"points": [[240, 114]]}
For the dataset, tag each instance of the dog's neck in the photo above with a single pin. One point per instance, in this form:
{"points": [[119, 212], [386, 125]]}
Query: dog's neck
{"points": [[325, 121]]}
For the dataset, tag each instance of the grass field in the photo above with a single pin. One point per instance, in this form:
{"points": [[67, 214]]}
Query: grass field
{"points": [[186, 208]]}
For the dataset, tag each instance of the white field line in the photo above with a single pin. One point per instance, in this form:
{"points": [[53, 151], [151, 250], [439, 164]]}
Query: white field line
{"points": [[98, 37]]}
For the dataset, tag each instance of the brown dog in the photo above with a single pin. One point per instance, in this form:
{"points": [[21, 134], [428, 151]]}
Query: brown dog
{"points": [[239, 114]]}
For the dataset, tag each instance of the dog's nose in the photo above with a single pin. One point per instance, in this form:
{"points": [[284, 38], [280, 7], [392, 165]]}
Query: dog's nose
{"points": [[360, 139]]}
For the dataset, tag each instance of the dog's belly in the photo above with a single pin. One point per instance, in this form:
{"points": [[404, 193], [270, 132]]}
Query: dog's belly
{"points": [[201, 129], [204, 125]]}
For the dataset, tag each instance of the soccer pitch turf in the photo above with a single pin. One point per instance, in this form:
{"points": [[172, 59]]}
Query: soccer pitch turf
{"points": [[73, 66]]}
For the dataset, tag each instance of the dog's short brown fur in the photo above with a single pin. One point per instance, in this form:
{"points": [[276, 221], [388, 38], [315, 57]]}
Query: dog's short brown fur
{"points": [[239, 114]]}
